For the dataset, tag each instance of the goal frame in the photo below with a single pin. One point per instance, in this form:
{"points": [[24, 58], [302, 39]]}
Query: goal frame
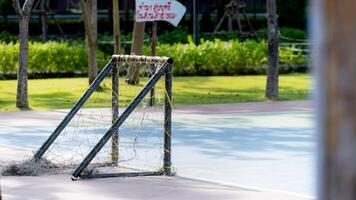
{"points": [[111, 68]]}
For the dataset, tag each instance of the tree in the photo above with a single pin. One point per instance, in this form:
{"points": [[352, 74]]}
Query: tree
{"points": [[89, 9], [136, 49], [24, 15], [273, 35], [335, 63]]}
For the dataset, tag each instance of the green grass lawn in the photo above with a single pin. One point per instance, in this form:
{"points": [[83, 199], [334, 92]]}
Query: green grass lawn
{"points": [[64, 92]]}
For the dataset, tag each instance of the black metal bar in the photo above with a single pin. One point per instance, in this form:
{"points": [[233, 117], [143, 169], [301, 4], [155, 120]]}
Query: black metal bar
{"points": [[127, 174], [115, 114], [168, 121], [122, 118], [104, 73]]}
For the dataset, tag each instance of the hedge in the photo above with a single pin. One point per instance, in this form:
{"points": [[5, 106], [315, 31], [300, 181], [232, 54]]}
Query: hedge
{"points": [[210, 58], [225, 57], [50, 57]]}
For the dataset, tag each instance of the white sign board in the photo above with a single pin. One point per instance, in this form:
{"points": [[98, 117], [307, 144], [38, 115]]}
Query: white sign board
{"points": [[159, 10]]}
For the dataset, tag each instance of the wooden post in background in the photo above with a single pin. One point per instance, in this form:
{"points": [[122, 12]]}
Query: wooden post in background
{"points": [[138, 36], [334, 31], [90, 17]]}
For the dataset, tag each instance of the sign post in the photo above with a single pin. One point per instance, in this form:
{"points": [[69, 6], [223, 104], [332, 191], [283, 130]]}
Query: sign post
{"points": [[158, 10], [153, 53]]}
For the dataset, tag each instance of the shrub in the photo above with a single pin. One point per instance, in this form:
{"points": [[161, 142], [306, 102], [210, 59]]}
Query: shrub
{"points": [[210, 58], [224, 58], [288, 33], [178, 35], [50, 57]]}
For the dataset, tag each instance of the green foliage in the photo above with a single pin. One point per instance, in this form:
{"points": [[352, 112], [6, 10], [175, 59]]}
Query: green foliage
{"points": [[289, 56], [285, 32], [210, 58], [8, 57], [224, 58], [224, 36], [7, 38], [293, 33], [181, 35], [50, 57], [178, 35]]}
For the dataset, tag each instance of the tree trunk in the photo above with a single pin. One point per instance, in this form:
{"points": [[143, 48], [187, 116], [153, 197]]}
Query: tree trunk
{"points": [[24, 19], [137, 38], [272, 70], [92, 61], [90, 15], [22, 93], [335, 26], [93, 64], [136, 49], [44, 19]]}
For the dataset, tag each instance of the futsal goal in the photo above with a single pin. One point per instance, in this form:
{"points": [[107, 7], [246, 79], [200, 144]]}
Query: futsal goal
{"points": [[118, 127]]}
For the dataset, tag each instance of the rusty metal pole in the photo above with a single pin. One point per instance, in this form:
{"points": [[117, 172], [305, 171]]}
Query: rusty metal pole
{"points": [[167, 166], [115, 84]]}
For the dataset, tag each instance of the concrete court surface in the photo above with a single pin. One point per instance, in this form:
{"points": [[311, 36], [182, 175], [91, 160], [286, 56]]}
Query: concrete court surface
{"points": [[173, 188], [272, 147]]}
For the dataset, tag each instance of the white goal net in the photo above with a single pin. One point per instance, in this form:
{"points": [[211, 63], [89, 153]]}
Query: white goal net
{"points": [[137, 146]]}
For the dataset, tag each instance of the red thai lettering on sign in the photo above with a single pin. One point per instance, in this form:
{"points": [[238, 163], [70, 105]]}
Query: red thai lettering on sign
{"points": [[154, 11], [160, 10]]}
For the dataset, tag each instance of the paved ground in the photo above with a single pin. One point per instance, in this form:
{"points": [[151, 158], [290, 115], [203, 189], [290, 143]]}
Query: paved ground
{"points": [[268, 145], [173, 188]]}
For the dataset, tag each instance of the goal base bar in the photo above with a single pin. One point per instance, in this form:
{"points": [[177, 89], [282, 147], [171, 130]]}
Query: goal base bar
{"points": [[126, 174]]}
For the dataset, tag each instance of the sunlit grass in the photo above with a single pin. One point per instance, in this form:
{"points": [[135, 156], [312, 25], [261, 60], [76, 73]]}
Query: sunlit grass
{"points": [[64, 92]]}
